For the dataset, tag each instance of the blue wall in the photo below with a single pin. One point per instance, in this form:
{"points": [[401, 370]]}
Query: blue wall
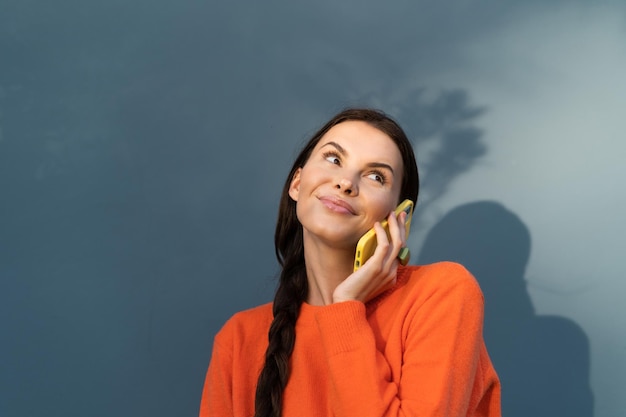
{"points": [[143, 146]]}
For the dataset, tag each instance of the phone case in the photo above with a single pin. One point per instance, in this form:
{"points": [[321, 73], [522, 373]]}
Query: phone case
{"points": [[367, 244]]}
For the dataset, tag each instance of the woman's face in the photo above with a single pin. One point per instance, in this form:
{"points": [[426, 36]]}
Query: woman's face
{"points": [[351, 180]]}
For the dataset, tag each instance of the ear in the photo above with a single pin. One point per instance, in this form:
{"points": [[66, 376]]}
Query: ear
{"points": [[294, 187]]}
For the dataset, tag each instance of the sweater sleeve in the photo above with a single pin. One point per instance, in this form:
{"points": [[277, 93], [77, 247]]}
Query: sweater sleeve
{"points": [[440, 358], [217, 392]]}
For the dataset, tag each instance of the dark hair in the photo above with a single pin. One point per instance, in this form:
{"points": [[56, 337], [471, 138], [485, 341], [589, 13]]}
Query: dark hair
{"points": [[293, 286]]}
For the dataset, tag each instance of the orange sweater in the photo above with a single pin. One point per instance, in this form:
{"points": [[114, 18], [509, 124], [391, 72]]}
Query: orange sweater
{"points": [[416, 350]]}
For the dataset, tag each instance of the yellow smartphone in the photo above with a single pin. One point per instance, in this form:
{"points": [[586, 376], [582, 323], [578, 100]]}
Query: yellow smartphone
{"points": [[367, 244]]}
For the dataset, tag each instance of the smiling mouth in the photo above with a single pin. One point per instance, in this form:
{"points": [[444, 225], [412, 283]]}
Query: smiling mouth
{"points": [[337, 205]]}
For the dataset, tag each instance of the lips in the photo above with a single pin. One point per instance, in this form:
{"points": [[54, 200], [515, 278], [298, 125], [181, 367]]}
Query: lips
{"points": [[337, 205]]}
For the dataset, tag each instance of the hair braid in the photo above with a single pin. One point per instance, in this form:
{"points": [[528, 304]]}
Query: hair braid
{"points": [[290, 294], [293, 285]]}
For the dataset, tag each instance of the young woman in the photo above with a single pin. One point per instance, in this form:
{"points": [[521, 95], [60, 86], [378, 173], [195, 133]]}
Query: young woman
{"points": [[386, 340]]}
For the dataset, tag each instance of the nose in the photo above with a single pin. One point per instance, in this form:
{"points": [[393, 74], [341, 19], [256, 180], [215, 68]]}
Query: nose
{"points": [[346, 186]]}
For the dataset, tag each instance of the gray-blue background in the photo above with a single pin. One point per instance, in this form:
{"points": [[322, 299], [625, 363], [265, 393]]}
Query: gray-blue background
{"points": [[143, 145]]}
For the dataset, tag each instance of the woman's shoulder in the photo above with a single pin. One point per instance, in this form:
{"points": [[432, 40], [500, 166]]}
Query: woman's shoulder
{"points": [[439, 277], [247, 323], [444, 269]]}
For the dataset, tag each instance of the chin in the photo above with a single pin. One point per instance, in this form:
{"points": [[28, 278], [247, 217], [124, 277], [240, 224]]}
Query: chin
{"points": [[340, 239]]}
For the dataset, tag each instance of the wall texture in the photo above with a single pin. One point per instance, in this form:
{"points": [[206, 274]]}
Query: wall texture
{"points": [[143, 145]]}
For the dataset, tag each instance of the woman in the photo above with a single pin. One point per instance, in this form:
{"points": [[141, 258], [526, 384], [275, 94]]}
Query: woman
{"points": [[386, 340]]}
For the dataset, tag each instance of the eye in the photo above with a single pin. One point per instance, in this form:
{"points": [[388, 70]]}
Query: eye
{"points": [[377, 176], [332, 157]]}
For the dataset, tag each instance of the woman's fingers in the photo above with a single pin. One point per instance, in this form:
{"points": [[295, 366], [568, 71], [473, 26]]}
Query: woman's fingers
{"points": [[403, 254], [397, 230], [388, 246], [378, 274]]}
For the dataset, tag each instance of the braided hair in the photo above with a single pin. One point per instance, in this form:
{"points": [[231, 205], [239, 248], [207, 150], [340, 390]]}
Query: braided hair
{"points": [[288, 241]]}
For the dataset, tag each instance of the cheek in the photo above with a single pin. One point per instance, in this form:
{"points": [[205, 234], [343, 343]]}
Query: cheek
{"points": [[310, 178], [382, 206]]}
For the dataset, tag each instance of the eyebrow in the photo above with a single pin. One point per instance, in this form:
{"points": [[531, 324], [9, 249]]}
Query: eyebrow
{"points": [[343, 152]]}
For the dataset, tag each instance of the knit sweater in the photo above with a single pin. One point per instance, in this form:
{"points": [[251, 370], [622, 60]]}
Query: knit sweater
{"points": [[416, 350]]}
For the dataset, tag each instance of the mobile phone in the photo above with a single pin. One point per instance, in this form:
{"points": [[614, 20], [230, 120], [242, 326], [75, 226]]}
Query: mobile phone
{"points": [[367, 244]]}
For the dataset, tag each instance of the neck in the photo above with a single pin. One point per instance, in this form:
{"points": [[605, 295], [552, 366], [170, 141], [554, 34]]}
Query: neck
{"points": [[326, 268]]}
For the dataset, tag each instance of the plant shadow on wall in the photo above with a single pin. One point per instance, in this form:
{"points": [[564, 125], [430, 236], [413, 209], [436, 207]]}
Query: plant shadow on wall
{"points": [[542, 361], [447, 142]]}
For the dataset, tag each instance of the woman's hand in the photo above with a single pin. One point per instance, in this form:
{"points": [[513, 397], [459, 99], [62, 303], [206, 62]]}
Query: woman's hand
{"points": [[378, 273]]}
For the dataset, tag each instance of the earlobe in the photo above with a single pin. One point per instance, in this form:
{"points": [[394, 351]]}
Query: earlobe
{"points": [[294, 187]]}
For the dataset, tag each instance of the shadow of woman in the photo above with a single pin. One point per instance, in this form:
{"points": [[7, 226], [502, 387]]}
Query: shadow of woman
{"points": [[542, 361]]}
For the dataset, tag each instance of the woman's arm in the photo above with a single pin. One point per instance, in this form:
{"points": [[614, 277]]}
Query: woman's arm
{"points": [[379, 272], [217, 392], [441, 357]]}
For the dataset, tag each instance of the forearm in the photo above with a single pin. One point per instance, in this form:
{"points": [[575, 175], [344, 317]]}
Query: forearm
{"points": [[436, 360], [217, 391], [361, 380]]}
